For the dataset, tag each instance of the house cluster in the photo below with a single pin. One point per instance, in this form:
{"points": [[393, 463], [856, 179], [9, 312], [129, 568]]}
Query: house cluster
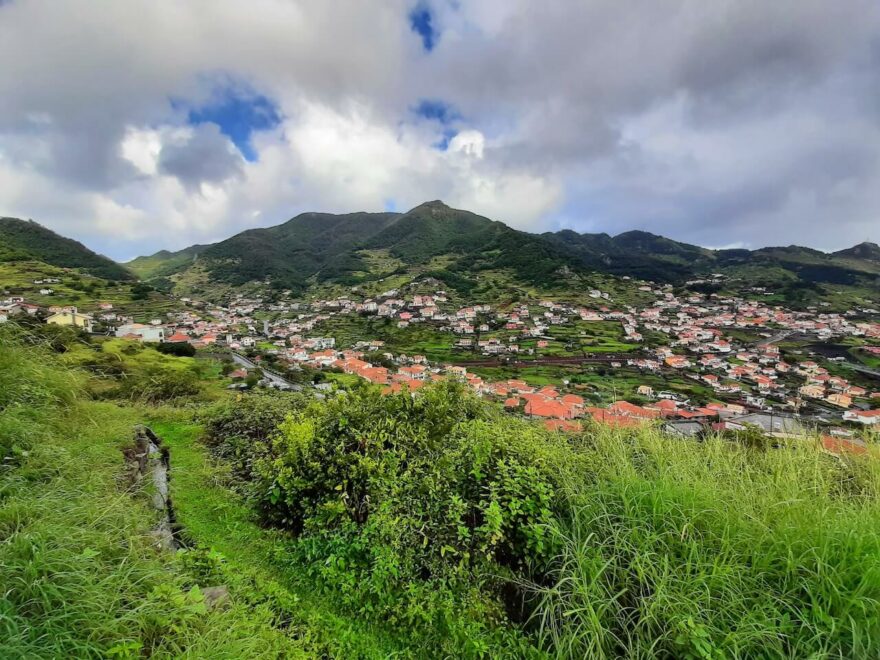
{"points": [[701, 346], [695, 336], [65, 315]]}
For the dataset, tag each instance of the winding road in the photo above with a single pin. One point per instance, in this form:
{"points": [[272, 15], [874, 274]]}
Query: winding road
{"points": [[272, 376]]}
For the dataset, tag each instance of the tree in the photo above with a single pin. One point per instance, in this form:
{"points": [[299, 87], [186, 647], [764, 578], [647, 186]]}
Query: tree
{"points": [[179, 349]]}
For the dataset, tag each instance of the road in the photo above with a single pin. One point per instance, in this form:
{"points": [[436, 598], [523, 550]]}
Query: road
{"points": [[273, 377], [598, 358], [864, 370], [779, 336]]}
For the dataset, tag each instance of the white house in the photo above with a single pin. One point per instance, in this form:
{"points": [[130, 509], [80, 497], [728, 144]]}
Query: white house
{"points": [[141, 332], [866, 417]]}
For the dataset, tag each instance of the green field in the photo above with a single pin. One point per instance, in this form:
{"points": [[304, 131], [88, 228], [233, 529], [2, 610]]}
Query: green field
{"points": [[82, 290]]}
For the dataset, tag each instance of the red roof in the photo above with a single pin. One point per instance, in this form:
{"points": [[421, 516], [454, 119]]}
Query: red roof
{"points": [[628, 409], [619, 421], [549, 408], [842, 445]]}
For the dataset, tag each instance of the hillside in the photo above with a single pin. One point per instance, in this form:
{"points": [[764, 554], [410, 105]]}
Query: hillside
{"points": [[645, 255], [456, 246], [635, 254], [164, 263], [471, 244], [293, 252], [465, 251], [434, 526], [316, 248], [866, 251], [22, 240]]}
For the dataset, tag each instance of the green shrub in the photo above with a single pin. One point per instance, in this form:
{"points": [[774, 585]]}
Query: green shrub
{"points": [[419, 511], [235, 427], [178, 348]]}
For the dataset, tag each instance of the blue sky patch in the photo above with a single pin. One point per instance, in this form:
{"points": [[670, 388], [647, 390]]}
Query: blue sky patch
{"points": [[421, 21], [436, 110], [443, 143], [238, 113]]}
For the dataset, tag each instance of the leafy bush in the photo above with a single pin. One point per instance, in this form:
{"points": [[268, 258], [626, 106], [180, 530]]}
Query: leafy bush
{"points": [[156, 384], [178, 348], [416, 510], [234, 428]]}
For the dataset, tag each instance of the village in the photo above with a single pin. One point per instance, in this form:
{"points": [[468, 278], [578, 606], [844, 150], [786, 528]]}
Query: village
{"points": [[723, 345]]}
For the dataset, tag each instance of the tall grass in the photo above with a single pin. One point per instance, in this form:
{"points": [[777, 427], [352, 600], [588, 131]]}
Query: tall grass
{"points": [[32, 388], [714, 550], [80, 574]]}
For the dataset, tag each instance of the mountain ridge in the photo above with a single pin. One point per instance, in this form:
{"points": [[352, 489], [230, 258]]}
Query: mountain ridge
{"points": [[28, 240], [455, 245]]}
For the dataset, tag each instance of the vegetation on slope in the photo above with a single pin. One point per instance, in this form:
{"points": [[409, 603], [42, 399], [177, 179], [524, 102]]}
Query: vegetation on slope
{"points": [[22, 240], [82, 576], [293, 252], [481, 534], [648, 256], [369, 526], [164, 263]]}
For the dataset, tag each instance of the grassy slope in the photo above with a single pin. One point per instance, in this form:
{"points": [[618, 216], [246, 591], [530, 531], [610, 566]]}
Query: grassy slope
{"points": [[82, 577], [216, 518], [666, 547], [715, 551], [28, 240], [164, 263], [80, 289]]}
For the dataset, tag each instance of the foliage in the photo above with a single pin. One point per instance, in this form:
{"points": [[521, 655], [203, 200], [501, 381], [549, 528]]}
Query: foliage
{"points": [[81, 575], [410, 510], [32, 389], [178, 348], [234, 427], [28, 240], [433, 514]]}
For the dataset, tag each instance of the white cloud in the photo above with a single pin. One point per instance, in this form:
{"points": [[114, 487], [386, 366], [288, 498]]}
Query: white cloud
{"points": [[719, 123]]}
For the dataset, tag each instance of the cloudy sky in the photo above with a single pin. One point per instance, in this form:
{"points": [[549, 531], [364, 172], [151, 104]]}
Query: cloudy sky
{"points": [[135, 125]]}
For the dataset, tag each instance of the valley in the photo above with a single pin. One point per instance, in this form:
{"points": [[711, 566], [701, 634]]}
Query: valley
{"points": [[362, 439]]}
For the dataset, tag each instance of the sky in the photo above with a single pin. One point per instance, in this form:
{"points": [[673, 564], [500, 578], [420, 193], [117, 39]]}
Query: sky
{"points": [[151, 124]]}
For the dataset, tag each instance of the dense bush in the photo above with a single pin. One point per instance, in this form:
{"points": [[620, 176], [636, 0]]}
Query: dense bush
{"points": [[416, 510], [177, 348], [235, 427], [436, 516]]}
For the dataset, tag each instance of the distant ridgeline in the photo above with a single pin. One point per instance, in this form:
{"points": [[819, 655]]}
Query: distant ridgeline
{"points": [[452, 245], [22, 240]]}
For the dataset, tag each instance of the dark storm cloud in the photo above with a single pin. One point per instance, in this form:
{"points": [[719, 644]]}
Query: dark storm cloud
{"points": [[791, 79], [206, 155]]}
